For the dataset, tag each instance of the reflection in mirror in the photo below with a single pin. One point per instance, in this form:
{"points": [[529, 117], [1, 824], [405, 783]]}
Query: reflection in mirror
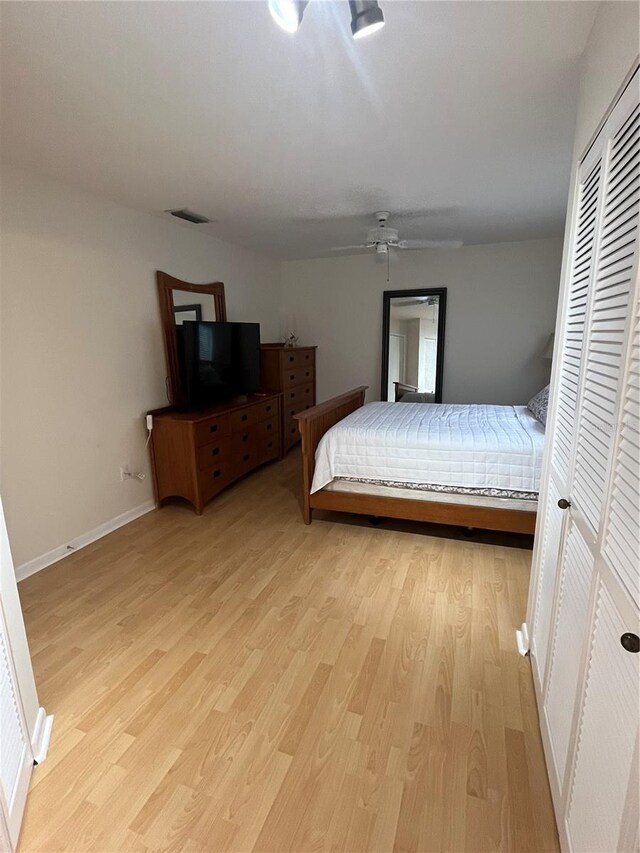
{"points": [[413, 345], [192, 306], [182, 301]]}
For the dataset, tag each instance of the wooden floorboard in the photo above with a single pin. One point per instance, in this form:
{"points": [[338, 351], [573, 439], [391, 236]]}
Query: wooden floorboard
{"points": [[240, 681]]}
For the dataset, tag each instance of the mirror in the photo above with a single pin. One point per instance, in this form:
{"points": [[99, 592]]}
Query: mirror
{"points": [[190, 306], [181, 301], [413, 327]]}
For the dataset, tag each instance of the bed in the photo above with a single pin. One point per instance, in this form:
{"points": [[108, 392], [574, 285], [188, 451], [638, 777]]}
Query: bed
{"points": [[474, 466]]}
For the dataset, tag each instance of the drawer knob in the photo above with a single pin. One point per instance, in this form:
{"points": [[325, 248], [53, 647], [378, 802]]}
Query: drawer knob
{"points": [[563, 503], [213, 428], [630, 642], [268, 408], [216, 473], [269, 427], [293, 429], [245, 437], [244, 417], [292, 377], [215, 451], [270, 444], [245, 458], [290, 358]]}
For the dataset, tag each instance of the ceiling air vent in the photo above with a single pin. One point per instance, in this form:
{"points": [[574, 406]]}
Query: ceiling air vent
{"points": [[183, 213]]}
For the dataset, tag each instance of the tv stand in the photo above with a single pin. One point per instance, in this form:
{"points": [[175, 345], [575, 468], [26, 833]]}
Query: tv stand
{"points": [[196, 453]]}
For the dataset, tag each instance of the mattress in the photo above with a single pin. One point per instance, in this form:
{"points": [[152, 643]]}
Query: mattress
{"points": [[441, 445], [473, 499]]}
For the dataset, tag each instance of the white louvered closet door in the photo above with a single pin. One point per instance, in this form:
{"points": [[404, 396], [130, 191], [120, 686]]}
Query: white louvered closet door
{"points": [[587, 561], [16, 698], [562, 424], [16, 757]]}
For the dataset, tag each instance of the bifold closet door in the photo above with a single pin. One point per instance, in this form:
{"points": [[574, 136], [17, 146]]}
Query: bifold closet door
{"points": [[586, 616], [561, 425], [16, 757], [16, 752]]}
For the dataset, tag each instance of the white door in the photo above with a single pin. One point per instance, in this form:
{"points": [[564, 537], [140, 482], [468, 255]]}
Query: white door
{"points": [[585, 597], [22, 722], [427, 371], [397, 345], [16, 757]]}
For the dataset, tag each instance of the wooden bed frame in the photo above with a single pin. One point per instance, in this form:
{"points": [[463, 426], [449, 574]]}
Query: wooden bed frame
{"points": [[313, 423]]}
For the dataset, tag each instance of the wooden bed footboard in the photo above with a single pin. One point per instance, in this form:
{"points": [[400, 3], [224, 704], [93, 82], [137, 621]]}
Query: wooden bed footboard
{"points": [[313, 423]]}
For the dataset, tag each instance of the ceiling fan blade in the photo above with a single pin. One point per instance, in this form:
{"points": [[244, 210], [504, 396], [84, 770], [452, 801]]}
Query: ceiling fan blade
{"points": [[429, 244], [346, 248]]}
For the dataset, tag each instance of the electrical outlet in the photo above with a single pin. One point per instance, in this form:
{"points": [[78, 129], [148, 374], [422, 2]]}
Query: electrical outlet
{"points": [[125, 473]]}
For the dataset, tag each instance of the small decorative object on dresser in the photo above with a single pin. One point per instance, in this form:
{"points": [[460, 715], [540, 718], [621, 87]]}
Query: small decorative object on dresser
{"points": [[291, 370]]}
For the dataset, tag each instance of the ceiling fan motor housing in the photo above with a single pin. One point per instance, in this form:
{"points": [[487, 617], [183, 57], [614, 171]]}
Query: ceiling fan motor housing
{"points": [[382, 234]]}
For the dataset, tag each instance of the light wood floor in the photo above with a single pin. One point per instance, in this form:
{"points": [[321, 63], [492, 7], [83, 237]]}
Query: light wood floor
{"points": [[242, 682]]}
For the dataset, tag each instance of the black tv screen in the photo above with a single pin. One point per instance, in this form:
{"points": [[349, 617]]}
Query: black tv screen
{"points": [[218, 361]]}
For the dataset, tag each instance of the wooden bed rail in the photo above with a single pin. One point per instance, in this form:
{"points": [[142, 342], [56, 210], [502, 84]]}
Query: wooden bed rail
{"points": [[313, 423]]}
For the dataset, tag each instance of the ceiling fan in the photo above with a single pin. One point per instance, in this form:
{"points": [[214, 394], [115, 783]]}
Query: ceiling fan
{"points": [[382, 238]]}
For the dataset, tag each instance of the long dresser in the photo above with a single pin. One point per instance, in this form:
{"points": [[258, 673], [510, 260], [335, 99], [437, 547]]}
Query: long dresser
{"points": [[197, 453], [291, 371]]}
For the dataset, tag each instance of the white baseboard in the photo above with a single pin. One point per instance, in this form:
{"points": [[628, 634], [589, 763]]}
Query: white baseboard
{"points": [[39, 563], [41, 736]]}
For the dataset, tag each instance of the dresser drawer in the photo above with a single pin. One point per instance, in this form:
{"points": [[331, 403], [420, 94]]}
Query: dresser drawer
{"points": [[213, 479], [297, 376], [269, 447], [300, 394], [244, 439], [211, 429], [266, 410], [294, 408], [297, 358], [268, 428], [213, 454], [242, 418], [247, 459], [291, 431]]}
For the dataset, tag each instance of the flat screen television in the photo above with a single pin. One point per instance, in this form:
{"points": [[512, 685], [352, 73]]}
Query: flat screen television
{"points": [[218, 361]]}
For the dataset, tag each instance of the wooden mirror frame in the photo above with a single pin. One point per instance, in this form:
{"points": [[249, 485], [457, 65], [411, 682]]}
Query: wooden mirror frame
{"points": [[387, 296], [166, 285]]}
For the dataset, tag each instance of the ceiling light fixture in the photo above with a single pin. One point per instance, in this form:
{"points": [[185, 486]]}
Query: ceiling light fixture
{"points": [[366, 17], [287, 13]]}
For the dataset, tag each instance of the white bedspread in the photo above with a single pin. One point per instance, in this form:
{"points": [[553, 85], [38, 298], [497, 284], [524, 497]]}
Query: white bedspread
{"points": [[476, 446]]}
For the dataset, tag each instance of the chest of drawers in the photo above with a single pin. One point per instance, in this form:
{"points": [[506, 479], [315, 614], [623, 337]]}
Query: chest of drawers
{"points": [[291, 371], [196, 454]]}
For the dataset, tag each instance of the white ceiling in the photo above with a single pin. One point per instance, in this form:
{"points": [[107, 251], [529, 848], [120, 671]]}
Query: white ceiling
{"points": [[464, 110], [413, 312]]}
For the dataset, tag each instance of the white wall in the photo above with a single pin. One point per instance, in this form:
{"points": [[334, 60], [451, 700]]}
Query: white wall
{"points": [[81, 350], [612, 48], [501, 306]]}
